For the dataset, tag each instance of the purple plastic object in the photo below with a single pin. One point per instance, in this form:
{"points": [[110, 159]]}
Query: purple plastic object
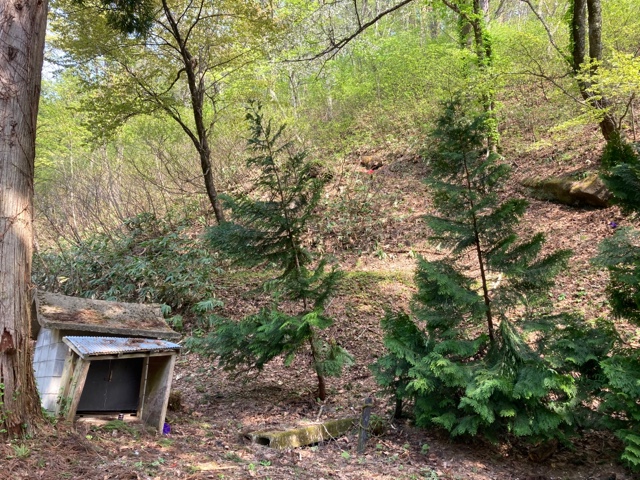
{"points": [[613, 224], [166, 429]]}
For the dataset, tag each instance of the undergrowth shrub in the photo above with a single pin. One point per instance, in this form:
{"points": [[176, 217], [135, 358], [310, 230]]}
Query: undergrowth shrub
{"points": [[475, 356], [350, 218], [150, 259], [267, 230]]}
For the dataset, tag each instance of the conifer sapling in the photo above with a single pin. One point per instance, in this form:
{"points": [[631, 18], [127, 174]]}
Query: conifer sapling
{"points": [[472, 369], [267, 230], [620, 254]]}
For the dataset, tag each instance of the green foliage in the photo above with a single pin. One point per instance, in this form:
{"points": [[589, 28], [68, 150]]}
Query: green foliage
{"points": [[615, 153], [472, 369], [620, 254], [572, 347], [127, 16], [268, 229], [21, 451], [271, 227], [621, 173], [60, 140], [383, 92], [150, 260]]}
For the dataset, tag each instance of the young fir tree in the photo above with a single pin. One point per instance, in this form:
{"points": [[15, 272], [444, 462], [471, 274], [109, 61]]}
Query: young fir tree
{"points": [[472, 370], [620, 254], [267, 229]]}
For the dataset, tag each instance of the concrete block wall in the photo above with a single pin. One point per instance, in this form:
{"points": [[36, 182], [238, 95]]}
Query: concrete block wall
{"points": [[48, 363]]}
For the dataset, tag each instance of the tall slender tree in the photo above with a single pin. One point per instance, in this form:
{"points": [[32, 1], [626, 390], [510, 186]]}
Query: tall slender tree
{"points": [[178, 70], [269, 230], [471, 369]]}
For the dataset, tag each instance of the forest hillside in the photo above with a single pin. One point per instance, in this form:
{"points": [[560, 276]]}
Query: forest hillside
{"points": [[431, 204]]}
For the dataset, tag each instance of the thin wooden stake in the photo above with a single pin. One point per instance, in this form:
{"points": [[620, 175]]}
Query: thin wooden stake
{"points": [[633, 122], [364, 424]]}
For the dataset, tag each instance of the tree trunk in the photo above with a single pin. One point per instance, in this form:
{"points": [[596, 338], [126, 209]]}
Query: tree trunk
{"points": [[22, 32], [608, 124], [578, 34], [197, 90], [475, 21], [484, 53], [591, 29], [205, 164], [322, 386]]}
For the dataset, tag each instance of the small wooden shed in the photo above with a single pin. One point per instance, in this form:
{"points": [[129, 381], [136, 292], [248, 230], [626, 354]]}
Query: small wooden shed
{"points": [[99, 357]]}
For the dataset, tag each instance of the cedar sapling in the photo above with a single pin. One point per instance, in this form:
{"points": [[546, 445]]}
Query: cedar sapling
{"points": [[620, 255], [468, 365], [267, 230]]}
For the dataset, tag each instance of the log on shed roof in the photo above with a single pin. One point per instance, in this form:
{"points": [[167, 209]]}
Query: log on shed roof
{"points": [[99, 316]]}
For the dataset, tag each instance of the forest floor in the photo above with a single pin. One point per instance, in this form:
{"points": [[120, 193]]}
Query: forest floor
{"points": [[377, 249]]}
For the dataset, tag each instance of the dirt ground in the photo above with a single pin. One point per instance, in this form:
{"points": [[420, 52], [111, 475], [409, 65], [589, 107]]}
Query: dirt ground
{"points": [[378, 251]]}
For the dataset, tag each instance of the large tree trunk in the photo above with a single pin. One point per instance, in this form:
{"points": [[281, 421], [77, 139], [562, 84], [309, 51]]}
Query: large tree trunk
{"points": [[22, 32], [591, 9]]}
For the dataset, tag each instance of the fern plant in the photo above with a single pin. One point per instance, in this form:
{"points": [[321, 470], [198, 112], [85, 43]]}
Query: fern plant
{"points": [[267, 230], [469, 367]]}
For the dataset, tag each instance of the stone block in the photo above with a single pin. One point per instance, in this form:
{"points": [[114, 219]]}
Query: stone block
{"points": [[44, 338], [62, 350], [58, 366]]}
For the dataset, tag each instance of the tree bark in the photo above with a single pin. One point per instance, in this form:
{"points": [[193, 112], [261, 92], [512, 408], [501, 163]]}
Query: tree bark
{"points": [[22, 32], [595, 28], [608, 124], [322, 386]]}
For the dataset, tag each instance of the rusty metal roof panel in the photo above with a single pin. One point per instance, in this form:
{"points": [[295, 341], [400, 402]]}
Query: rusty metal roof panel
{"points": [[96, 346]]}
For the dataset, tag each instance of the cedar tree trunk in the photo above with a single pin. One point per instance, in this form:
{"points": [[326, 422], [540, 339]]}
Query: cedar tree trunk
{"points": [[22, 32]]}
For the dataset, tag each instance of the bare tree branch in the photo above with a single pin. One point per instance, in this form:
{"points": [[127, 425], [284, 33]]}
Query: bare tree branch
{"points": [[336, 46], [547, 29], [355, 8], [626, 110]]}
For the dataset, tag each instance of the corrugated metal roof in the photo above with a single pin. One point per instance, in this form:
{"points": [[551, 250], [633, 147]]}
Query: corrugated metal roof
{"points": [[93, 346]]}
